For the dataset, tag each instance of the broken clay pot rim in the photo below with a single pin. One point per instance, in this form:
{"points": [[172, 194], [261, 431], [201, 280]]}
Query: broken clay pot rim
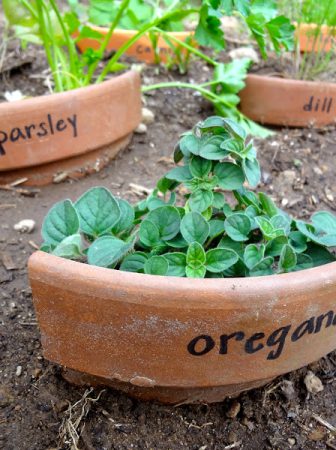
{"points": [[90, 91], [95, 280], [294, 81]]}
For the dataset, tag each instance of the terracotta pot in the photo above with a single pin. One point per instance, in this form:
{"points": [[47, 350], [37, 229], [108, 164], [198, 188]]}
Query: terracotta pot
{"points": [[181, 340], [307, 41], [66, 131], [142, 49], [287, 102]]}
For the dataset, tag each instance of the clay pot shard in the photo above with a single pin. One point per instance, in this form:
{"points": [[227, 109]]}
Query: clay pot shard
{"points": [[188, 341], [67, 131], [287, 102]]}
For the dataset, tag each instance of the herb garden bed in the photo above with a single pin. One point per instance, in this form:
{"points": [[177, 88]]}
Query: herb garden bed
{"points": [[298, 171]]}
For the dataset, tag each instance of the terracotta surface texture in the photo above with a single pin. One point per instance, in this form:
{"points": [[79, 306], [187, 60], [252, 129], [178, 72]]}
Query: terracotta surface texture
{"points": [[142, 49], [44, 130], [308, 41], [178, 339], [287, 102]]}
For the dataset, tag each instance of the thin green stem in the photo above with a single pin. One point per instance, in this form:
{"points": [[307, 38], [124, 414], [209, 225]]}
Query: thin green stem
{"points": [[107, 38], [30, 9], [131, 41], [179, 84], [73, 58], [46, 44], [187, 46]]}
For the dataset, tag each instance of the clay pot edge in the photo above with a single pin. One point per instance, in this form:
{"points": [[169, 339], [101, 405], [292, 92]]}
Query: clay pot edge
{"points": [[213, 293], [93, 90]]}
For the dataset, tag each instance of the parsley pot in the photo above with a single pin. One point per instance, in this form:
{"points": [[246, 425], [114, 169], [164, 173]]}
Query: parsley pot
{"points": [[288, 102], [180, 340], [75, 132]]}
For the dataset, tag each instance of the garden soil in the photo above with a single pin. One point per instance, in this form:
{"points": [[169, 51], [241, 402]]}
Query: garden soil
{"points": [[39, 410]]}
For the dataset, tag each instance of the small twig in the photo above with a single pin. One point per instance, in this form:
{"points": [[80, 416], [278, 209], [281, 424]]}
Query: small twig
{"points": [[32, 244], [18, 181], [21, 191], [330, 445], [324, 423], [7, 205], [234, 445]]}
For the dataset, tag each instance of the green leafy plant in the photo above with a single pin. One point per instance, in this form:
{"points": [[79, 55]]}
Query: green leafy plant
{"points": [[311, 65], [200, 221]]}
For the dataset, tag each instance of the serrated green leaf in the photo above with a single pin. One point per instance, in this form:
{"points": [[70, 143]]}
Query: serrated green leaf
{"points": [[274, 246], [177, 264], [230, 176], [252, 171], [268, 205], [98, 211], [220, 259], [238, 226], [218, 200], [199, 167], [60, 222], [134, 262], [194, 228], [149, 234], [180, 174], [195, 273], [70, 247], [195, 255], [264, 267], [167, 220], [200, 200], [156, 265], [253, 255], [325, 222], [287, 259], [107, 251], [298, 241], [126, 218]]}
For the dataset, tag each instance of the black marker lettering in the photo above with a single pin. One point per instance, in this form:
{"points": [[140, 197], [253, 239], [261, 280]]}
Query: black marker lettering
{"points": [[307, 326], [73, 122], [50, 124], [319, 321], [329, 106], [224, 339], [42, 127], [16, 134], [324, 104], [249, 345], [309, 105], [278, 337], [208, 345], [3, 139], [61, 125], [28, 129]]}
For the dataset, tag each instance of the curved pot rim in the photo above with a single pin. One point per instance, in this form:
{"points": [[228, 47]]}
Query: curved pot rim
{"points": [[124, 31], [103, 279], [293, 81], [92, 89]]}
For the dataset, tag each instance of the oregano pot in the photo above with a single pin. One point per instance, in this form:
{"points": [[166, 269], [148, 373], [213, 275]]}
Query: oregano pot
{"points": [[181, 340], [288, 102], [76, 131], [142, 49]]}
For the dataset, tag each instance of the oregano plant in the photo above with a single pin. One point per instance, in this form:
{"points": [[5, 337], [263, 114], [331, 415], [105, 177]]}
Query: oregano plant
{"points": [[201, 221]]}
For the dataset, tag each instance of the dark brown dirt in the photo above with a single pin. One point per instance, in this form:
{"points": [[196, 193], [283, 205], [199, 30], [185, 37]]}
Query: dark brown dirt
{"points": [[298, 170]]}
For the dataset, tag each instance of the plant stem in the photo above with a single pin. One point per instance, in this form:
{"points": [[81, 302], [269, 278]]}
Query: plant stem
{"points": [[107, 38], [131, 41], [46, 44], [73, 58], [178, 84], [190, 48]]}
